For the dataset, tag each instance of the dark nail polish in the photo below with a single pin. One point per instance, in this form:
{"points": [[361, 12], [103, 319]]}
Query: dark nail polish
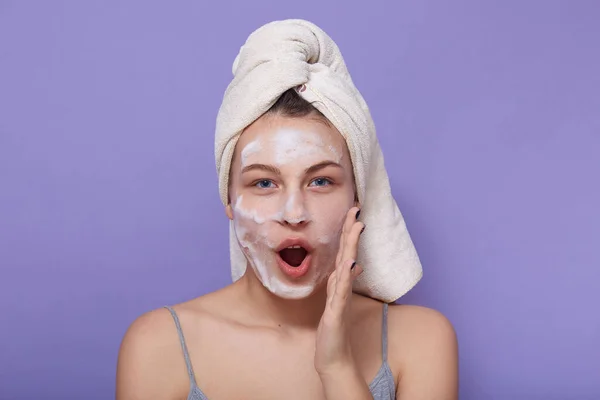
{"points": [[357, 214], [363, 229], [353, 265]]}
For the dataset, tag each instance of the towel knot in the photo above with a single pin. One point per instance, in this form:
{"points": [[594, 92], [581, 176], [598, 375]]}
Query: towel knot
{"points": [[292, 46]]}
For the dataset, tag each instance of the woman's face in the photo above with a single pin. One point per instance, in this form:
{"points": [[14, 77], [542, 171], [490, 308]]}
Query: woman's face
{"points": [[291, 187]]}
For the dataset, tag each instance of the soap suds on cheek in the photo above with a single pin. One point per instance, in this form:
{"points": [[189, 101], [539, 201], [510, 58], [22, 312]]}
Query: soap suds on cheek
{"points": [[251, 230], [251, 215], [253, 243], [250, 223]]}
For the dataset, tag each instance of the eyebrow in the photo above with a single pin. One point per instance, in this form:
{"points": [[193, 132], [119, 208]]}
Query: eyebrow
{"points": [[320, 166], [261, 167], [275, 170]]}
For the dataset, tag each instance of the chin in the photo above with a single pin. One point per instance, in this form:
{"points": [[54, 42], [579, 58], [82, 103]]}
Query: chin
{"points": [[299, 293], [290, 290], [284, 285]]}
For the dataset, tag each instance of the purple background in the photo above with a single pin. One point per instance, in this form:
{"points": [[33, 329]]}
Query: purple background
{"points": [[488, 115]]}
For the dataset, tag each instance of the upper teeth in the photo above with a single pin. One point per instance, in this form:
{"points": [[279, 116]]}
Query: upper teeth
{"points": [[294, 247]]}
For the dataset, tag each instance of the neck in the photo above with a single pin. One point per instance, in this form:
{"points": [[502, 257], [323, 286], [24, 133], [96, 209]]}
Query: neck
{"points": [[270, 309]]}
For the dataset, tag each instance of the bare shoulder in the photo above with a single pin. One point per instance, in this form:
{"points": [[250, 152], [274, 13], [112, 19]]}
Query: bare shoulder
{"points": [[150, 362], [422, 324], [424, 349]]}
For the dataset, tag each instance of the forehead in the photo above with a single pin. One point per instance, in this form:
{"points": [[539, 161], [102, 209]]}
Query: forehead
{"points": [[274, 136]]}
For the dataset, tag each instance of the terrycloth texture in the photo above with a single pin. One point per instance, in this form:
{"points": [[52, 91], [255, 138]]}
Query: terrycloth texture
{"points": [[297, 54]]}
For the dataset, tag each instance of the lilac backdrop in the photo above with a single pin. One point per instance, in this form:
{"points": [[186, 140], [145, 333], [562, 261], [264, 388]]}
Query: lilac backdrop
{"points": [[489, 119]]}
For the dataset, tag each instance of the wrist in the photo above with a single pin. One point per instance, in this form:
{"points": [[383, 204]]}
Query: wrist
{"points": [[339, 371]]}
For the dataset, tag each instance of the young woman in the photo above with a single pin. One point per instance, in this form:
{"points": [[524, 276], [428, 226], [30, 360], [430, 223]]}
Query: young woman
{"points": [[291, 326]]}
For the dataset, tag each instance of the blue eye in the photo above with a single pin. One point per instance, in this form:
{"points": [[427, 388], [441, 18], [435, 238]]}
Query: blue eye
{"points": [[321, 182], [264, 184]]}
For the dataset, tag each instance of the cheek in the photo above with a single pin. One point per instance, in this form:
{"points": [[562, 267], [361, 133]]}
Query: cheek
{"points": [[252, 227], [247, 230], [329, 223]]}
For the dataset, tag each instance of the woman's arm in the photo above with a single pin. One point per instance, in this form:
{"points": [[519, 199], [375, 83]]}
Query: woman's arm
{"points": [[427, 340]]}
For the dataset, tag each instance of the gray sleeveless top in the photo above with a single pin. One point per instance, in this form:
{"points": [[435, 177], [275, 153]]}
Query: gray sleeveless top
{"points": [[382, 387]]}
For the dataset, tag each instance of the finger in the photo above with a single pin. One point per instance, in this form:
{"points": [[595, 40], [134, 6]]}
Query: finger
{"points": [[343, 286], [338, 257], [346, 224], [349, 221], [331, 286], [341, 297], [355, 272], [351, 218], [351, 243]]}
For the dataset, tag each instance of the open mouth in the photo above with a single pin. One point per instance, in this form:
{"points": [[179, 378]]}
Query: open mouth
{"points": [[293, 255]]}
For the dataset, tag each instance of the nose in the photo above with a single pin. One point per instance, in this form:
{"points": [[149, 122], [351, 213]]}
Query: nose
{"points": [[294, 210]]}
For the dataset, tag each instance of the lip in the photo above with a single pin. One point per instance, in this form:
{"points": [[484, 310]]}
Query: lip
{"points": [[294, 241], [294, 272], [300, 270]]}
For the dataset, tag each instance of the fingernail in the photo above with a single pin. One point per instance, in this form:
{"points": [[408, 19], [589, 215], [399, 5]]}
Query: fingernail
{"points": [[363, 229], [357, 214], [353, 265]]}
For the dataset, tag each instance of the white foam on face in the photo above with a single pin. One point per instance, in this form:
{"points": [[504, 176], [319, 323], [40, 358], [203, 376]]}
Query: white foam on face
{"points": [[252, 239], [334, 151], [292, 145], [287, 291], [249, 238], [324, 239], [290, 209], [329, 236], [249, 214], [251, 148], [258, 259], [287, 148], [289, 205], [248, 221]]}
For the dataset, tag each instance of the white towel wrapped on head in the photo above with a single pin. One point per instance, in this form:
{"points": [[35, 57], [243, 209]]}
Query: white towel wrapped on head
{"points": [[297, 54]]}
